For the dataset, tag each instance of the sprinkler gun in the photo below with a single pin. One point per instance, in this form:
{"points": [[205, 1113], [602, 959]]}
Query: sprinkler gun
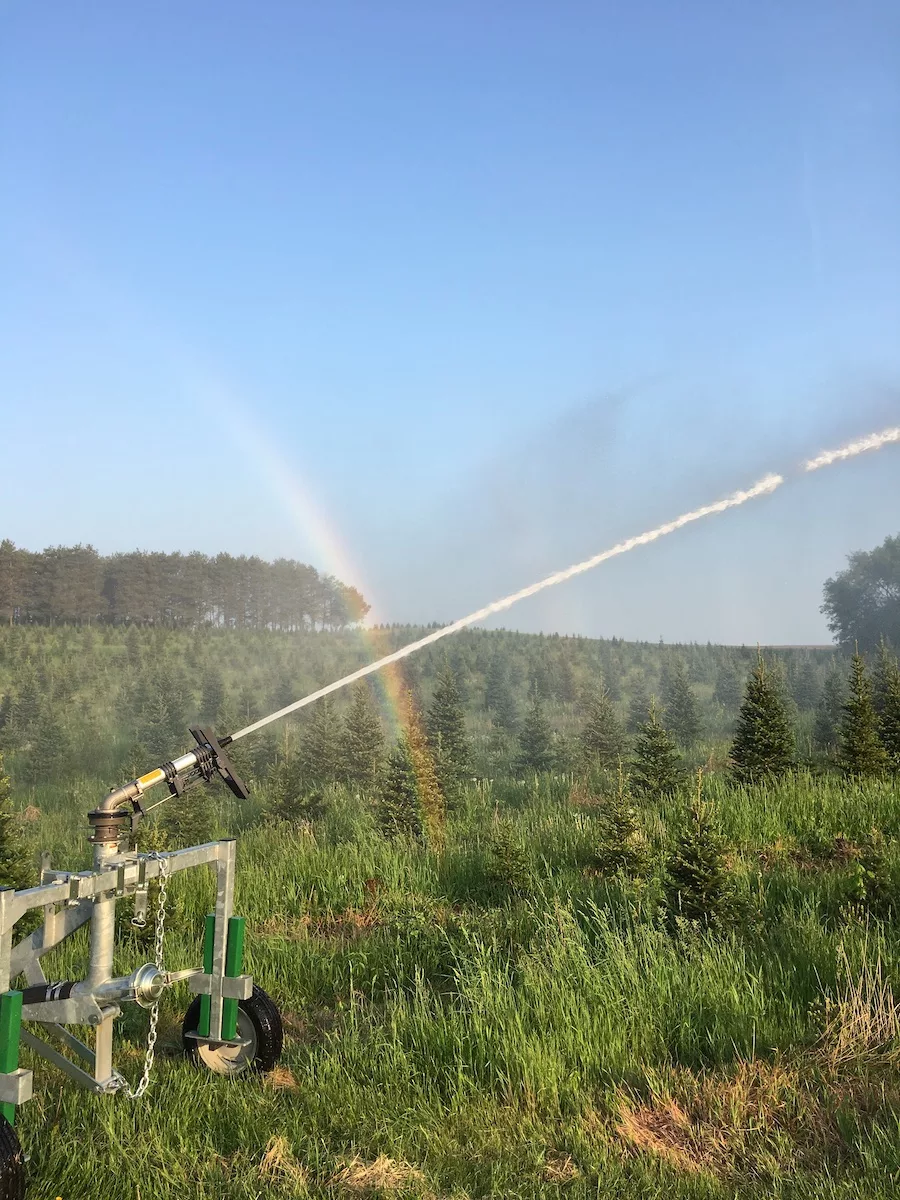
{"points": [[108, 821]]}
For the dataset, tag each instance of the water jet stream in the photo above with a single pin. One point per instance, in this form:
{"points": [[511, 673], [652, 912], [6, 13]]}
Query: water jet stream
{"points": [[764, 487]]}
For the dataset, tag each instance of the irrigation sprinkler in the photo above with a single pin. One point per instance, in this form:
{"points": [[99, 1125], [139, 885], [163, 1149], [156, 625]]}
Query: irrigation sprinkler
{"points": [[230, 1027]]}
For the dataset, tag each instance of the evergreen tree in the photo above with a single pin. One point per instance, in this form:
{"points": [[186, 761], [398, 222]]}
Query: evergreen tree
{"points": [[286, 798], [409, 803], [638, 707], [806, 688], [189, 819], [498, 696], [428, 789], [830, 713], [697, 887], [508, 869], [682, 715], [861, 750], [15, 869], [363, 740], [27, 703], [621, 846], [889, 719], [535, 740], [446, 726], [602, 737], [656, 769], [320, 744], [763, 746], [881, 677], [728, 687], [212, 693], [49, 747]]}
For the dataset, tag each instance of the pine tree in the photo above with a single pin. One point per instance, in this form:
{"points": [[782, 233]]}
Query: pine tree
{"points": [[535, 741], [27, 703], [498, 696], [697, 887], [409, 800], [189, 819], [682, 715], [621, 846], [889, 720], [861, 750], [602, 737], [363, 739], [806, 688], [212, 693], [49, 747], [15, 869], [508, 869], [320, 744], [763, 746], [638, 707], [830, 713], [431, 800], [728, 687], [446, 726], [286, 798], [656, 769]]}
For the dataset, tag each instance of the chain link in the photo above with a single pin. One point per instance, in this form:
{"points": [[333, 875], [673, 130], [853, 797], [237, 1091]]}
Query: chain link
{"points": [[136, 1093]]}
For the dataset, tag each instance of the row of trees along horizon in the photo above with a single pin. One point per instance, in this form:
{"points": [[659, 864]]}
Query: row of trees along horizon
{"points": [[76, 585]]}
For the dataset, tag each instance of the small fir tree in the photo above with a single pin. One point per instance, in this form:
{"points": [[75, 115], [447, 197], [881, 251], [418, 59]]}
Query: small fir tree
{"points": [[189, 819], [830, 714], [508, 870], [861, 750], [682, 714], [889, 718], [621, 846], [656, 768], [638, 707], [410, 802], [447, 737], [728, 687], [212, 693], [363, 742], [763, 746], [320, 753], [16, 870], [535, 740], [498, 696], [806, 688], [602, 738], [697, 888]]}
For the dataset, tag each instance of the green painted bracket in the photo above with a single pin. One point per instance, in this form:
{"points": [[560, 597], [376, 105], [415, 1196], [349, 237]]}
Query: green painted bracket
{"points": [[234, 955], [10, 1027]]}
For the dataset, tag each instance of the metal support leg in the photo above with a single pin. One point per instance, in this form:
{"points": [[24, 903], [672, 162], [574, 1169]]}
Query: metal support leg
{"points": [[224, 908]]}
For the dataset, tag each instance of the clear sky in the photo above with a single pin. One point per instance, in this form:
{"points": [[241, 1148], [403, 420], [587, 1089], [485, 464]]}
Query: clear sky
{"points": [[441, 296]]}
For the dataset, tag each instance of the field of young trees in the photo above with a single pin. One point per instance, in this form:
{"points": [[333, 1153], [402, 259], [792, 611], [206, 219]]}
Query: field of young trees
{"points": [[596, 918]]}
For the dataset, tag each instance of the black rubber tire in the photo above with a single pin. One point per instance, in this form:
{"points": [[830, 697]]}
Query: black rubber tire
{"points": [[266, 1020], [13, 1174]]}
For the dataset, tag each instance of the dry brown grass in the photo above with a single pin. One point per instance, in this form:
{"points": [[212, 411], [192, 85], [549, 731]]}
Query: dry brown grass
{"points": [[559, 1168], [278, 1165], [383, 1175], [280, 1079], [344, 926], [30, 814], [862, 1022]]}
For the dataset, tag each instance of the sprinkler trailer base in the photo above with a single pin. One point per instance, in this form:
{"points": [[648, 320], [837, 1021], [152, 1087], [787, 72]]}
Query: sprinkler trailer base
{"points": [[230, 1027]]}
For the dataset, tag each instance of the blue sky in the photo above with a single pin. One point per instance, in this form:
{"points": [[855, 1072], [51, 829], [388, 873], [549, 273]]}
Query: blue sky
{"points": [[312, 280]]}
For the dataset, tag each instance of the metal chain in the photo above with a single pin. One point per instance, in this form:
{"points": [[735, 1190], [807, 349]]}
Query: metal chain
{"points": [[136, 1093]]}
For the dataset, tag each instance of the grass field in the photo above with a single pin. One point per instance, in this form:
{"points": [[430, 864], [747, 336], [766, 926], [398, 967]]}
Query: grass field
{"points": [[447, 1039]]}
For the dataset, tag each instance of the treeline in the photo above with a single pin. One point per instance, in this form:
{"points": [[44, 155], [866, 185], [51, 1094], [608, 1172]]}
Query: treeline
{"points": [[76, 585]]}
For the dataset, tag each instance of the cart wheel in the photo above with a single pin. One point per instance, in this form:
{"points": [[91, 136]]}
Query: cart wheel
{"points": [[12, 1164], [258, 1026]]}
